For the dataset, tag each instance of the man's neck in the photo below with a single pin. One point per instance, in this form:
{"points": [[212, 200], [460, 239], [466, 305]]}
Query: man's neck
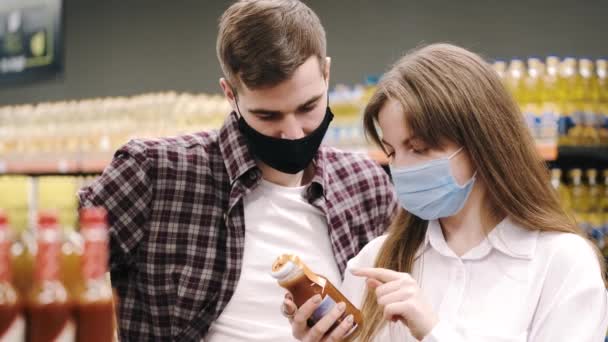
{"points": [[285, 179]]}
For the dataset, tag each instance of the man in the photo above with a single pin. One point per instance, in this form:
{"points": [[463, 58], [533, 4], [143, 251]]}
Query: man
{"points": [[197, 220]]}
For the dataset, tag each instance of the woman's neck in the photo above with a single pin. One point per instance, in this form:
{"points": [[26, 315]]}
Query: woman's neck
{"points": [[470, 226]]}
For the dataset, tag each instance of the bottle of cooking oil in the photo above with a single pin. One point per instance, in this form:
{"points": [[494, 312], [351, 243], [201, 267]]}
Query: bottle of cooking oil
{"points": [[567, 85], [594, 190], [533, 89], [594, 214], [604, 210], [602, 79], [579, 195], [550, 101], [500, 67], [514, 79], [562, 190], [589, 99]]}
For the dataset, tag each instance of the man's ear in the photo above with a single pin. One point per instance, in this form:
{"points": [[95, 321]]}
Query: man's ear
{"points": [[228, 93], [326, 71]]}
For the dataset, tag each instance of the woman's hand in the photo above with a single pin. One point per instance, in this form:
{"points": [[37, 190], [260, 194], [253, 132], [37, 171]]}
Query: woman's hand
{"points": [[401, 298], [298, 319]]}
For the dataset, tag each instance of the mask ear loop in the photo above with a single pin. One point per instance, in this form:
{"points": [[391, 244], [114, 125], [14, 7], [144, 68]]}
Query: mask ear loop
{"points": [[455, 153]]}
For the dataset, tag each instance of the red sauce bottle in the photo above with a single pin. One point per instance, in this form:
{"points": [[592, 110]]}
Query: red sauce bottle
{"points": [[49, 310], [12, 323], [95, 309]]}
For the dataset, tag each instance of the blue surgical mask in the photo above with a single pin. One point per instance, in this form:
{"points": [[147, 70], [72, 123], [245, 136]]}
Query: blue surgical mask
{"points": [[430, 191]]}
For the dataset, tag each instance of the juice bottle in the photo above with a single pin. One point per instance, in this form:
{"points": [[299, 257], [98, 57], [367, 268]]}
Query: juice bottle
{"points": [[594, 189], [550, 101], [95, 309], [602, 78], [22, 252], [293, 275], [49, 310], [567, 86], [514, 80], [604, 210], [531, 93], [562, 191], [580, 196], [12, 322], [500, 67], [594, 214], [71, 255], [589, 100]]}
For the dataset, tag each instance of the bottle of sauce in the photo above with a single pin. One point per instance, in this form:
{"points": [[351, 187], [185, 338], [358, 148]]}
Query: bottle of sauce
{"points": [[49, 310], [23, 250], [293, 275], [12, 323], [95, 309], [71, 260]]}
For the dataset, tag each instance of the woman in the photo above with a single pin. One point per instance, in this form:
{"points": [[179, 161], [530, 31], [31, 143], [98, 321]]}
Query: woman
{"points": [[482, 250]]}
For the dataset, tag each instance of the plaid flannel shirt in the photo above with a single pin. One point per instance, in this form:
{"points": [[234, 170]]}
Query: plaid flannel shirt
{"points": [[177, 223]]}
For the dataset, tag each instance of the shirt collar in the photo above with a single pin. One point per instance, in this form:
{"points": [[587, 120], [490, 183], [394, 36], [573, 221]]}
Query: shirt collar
{"points": [[233, 147], [507, 237]]}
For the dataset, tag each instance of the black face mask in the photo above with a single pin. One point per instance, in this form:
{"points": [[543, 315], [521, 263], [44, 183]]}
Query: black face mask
{"points": [[285, 155]]}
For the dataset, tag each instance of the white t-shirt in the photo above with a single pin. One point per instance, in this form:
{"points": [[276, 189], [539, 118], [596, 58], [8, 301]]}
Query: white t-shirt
{"points": [[517, 285], [277, 220]]}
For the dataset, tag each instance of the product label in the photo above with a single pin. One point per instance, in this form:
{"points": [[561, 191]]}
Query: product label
{"points": [[530, 122], [47, 263], [590, 119], [566, 123], [585, 227], [596, 234], [68, 333], [549, 122], [324, 308], [94, 259], [327, 304], [578, 118]]}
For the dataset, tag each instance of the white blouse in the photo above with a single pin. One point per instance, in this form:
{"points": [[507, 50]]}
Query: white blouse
{"points": [[517, 285]]}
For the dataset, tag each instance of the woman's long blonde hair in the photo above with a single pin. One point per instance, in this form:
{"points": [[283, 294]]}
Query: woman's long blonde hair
{"points": [[450, 94]]}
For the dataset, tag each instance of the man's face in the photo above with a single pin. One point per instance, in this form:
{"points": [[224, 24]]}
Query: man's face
{"points": [[291, 109]]}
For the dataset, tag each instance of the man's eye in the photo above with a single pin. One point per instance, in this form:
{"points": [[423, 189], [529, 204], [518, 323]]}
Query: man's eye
{"points": [[266, 117]]}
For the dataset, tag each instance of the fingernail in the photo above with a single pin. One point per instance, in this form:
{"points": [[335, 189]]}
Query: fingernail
{"points": [[350, 319], [317, 299], [341, 306]]}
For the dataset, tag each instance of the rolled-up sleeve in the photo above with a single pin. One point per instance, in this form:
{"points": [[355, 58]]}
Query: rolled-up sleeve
{"points": [[125, 191]]}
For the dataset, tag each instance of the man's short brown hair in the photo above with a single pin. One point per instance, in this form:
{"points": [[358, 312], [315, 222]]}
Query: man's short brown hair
{"points": [[262, 42]]}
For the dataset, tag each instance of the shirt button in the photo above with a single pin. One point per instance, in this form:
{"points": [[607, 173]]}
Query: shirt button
{"points": [[459, 273]]}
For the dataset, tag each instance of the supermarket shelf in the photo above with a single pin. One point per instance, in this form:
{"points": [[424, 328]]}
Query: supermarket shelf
{"points": [[592, 153], [594, 156], [54, 166], [582, 157]]}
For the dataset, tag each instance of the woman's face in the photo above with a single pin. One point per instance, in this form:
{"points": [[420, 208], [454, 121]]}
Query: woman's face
{"points": [[405, 150]]}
